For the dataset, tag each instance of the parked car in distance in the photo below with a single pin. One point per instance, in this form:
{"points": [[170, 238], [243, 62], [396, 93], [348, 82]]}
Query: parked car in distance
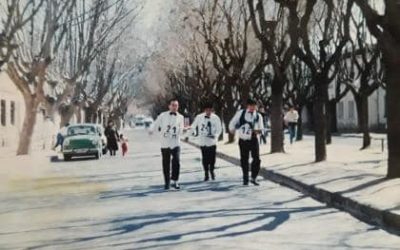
{"points": [[83, 140], [148, 122]]}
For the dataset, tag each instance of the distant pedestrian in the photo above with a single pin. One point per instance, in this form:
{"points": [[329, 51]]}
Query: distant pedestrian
{"points": [[124, 144], [61, 136], [207, 126], [291, 118], [248, 122], [170, 126], [112, 138]]}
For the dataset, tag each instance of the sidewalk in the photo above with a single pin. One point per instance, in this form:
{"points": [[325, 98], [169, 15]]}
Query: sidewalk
{"points": [[350, 180]]}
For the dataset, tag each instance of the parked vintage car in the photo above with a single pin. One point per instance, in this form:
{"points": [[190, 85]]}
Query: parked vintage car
{"points": [[84, 140]]}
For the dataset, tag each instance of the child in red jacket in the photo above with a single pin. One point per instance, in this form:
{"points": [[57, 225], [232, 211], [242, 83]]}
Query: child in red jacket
{"points": [[124, 144]]}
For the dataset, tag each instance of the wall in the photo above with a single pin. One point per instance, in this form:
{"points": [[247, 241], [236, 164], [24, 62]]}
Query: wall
{"points": [[45, 128]]}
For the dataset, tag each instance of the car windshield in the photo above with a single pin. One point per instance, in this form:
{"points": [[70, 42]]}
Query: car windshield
{"points": [[81, 130]]}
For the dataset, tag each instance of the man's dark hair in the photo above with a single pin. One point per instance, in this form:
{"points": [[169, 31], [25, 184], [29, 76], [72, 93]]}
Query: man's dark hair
{"points": [[207, 105], [173, 100], [251, 102]]}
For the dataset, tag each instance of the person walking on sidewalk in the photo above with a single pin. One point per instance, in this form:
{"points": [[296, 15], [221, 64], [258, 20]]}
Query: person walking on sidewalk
{"points": [[264, 132], [291, 118], [207, 126], [249, 124], [61, 136], [112, 138], [170, 126]]}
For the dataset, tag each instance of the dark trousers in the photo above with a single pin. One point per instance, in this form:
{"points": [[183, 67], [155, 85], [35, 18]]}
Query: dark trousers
{"points": [[60, 140], [166, 163], [292, 131], [208, 158], [248, 147]]}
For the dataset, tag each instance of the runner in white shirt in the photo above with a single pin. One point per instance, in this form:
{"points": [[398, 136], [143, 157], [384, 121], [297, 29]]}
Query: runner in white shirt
{"points": [[207, 126], [249, 124], [170, 126]]}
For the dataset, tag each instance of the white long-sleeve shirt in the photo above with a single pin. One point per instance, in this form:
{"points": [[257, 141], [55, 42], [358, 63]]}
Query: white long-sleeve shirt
{"points": [[170, 128], [245, 131], [207, 129], [291, 116]]}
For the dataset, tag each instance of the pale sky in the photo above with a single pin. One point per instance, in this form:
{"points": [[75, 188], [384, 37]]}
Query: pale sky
{"points": [[152, 21]]}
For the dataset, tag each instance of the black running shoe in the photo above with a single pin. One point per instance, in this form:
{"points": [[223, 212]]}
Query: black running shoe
{"points": [[176, 185], [255, 183]]}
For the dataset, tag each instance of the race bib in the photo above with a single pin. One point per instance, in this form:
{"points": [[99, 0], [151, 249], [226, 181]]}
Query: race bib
{"points": [[245, 132], [171, 132], [205, 129]]}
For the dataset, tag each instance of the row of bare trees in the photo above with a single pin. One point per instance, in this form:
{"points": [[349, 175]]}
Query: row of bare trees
{"points": [[63, 55], [303, 53]]}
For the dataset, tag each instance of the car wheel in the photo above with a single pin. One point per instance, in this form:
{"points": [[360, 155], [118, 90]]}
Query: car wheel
{"points": [[67, 157], [97, 155]]}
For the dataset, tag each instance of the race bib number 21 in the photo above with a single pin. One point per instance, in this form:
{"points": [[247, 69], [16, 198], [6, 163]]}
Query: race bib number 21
{"points": [[171, 131]]}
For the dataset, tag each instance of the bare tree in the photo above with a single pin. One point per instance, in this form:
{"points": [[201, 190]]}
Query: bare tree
{"points": [[279, 36], [226, 29], [15, 14], [386, 28], [330, 34], [96, 26], [38, 42], [299, 91], [363, 73]]}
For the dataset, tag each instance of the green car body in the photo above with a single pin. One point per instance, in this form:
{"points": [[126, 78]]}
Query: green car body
{"points": [[83, 140]]}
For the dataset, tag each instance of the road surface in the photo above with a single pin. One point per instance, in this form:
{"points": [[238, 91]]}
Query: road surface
{"points": [[119, 203]]}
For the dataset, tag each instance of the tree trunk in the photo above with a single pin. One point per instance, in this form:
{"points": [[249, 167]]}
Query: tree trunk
{"points": [[231, 136], [299, 135], [221, 136], [66, 113], [320, 120], [393, 117], [90, 115], [230, 111], [78, 112], [328, 123], [277, 117], [333, 118], [25, 139], [363, 117]]}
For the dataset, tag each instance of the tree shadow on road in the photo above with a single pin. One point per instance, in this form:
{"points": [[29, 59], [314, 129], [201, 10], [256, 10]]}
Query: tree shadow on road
{"points": [[191, 187], [364, 185], [254, 220], [236, 222]]}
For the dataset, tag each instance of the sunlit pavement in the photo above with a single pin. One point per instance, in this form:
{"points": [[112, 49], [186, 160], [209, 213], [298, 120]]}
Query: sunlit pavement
{"points": [[119, 203]]}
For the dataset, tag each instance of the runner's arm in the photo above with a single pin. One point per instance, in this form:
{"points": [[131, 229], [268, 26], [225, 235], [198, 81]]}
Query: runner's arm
{"points": [[234, 121], [218, 127]]}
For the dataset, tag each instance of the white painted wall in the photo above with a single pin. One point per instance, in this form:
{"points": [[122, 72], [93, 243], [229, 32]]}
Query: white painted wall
{"points": [[44, 131], [377, 117]]}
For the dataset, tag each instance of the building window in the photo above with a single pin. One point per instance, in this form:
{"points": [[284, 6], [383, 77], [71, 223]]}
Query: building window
{"points": [[341, 110], [351, 109], [12, 113], [3, 112]]}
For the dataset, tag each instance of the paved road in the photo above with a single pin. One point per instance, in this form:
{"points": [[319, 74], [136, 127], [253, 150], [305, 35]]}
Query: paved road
{"points": [[119, 203]]}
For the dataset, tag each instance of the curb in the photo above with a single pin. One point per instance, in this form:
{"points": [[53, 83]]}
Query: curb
{"points": [[384, 219]]}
